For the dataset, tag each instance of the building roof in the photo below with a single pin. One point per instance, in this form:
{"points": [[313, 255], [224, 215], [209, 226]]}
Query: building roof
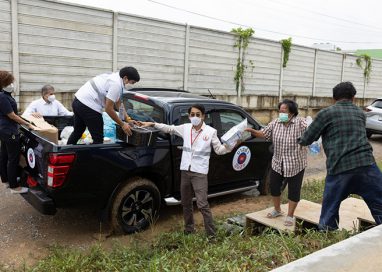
{"points": [[373, 53]]}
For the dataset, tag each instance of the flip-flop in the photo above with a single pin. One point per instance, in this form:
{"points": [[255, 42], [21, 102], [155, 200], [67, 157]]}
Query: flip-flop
{"points": [[289, 221], [274, 214]]}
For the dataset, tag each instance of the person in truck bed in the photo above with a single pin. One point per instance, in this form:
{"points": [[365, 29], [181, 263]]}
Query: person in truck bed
{"points": [[102, 91], [9, 134], [47, 105], [197, 141]]}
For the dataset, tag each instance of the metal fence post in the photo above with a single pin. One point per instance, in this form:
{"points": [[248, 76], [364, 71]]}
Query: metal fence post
{"points": [[115, 42], [314, 73], [281, 77], [343, 67], [186, 56], [15, 49]]}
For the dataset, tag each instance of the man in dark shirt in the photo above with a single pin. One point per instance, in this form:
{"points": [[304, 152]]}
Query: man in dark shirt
{"points": [[350, 164]]}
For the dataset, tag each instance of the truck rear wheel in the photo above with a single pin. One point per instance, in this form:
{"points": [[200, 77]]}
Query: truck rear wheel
{"points": [[135, 206]]}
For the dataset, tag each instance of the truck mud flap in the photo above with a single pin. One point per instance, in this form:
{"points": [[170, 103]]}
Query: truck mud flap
{"points": [[40, 201]]}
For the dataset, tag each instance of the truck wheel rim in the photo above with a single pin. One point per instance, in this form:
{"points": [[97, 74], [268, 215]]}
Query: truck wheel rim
{"points": [[137, 207]]}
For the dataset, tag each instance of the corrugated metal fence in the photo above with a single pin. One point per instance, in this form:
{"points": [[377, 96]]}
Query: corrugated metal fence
{"points": [[65, 45]]}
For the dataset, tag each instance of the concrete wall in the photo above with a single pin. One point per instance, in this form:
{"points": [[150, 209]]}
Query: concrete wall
{"points": [[47, 41]]}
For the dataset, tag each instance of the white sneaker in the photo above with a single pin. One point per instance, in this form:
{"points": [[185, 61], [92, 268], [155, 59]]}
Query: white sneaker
{"points": [[19, 190]]}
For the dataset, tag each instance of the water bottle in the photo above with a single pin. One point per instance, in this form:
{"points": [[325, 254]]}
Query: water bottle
{"points": [[109, 129], [314, 148]]}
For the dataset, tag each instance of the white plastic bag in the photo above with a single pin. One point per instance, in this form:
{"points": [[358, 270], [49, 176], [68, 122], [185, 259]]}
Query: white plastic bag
{"points": [[235, 134], [65, 133], [315, 147]]}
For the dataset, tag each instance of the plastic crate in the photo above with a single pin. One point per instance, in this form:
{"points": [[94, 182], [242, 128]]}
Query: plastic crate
{"points": [[140, 136]]}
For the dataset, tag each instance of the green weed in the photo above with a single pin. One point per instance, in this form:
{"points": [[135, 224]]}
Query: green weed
{"points": [[177, 252]]}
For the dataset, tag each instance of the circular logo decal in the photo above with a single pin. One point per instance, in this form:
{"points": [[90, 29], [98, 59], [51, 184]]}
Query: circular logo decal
{"points": [[31, 158], [241, 158]]}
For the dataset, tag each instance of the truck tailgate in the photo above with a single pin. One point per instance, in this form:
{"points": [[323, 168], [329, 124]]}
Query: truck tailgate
{"points": [[33, 150]]}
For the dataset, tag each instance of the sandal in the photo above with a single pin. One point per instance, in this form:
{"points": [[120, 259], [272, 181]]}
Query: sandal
{"points": [[274, 214], [289, 221]]}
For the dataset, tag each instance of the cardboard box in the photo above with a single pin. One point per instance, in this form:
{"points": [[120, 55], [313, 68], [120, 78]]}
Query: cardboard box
{"points": [[43, 128]]}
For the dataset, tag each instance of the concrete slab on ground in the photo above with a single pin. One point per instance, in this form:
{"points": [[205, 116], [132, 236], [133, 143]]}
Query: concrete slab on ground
{"points": [[361, 252], [351, 210]]}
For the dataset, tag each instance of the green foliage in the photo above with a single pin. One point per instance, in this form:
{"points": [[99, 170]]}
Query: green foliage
{"points": [[286, 45], [176, 252], [364, 62], [242, 40]]}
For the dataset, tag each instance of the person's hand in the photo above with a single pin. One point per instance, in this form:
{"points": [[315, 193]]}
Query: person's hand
{"points": [[147, 124], [36, 114], [30, 126], [252, 131], [134, 123], [127, 129], [139, 123]]}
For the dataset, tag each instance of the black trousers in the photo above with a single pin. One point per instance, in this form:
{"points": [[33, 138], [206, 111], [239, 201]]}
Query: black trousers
{"points": [[9, 159], [294, 184], [86, 117]]}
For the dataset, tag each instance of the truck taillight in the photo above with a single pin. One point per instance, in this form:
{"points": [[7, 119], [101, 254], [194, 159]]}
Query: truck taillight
{"points": [[56, 158], [58, 168]]}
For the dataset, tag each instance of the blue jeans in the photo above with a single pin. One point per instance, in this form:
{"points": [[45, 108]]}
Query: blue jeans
{"points": [[364, 181]]}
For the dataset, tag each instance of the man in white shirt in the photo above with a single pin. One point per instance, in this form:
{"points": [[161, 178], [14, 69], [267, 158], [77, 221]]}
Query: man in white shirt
{"points": [[197, 141], [47, 105], [102, 91]]}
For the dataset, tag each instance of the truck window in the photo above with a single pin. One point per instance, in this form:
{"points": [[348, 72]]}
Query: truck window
{"points": [[140, 111], [228, 119], [184, 118]]}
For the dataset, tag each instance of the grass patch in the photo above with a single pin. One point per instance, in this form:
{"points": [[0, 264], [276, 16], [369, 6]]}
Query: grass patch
{"points": [[177, 252]]}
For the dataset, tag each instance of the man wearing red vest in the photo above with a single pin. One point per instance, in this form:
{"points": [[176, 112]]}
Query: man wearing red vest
{"points": [[197, 141]]}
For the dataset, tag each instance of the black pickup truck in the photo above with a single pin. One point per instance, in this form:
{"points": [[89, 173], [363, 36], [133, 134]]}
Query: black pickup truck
{"points": [[129, 183]]}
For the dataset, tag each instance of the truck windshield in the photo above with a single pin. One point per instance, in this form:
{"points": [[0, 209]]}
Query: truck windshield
{"points": [[140, 111]]}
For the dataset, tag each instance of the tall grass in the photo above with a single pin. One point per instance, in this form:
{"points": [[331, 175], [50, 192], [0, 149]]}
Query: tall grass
{"points": [[177, 252]]}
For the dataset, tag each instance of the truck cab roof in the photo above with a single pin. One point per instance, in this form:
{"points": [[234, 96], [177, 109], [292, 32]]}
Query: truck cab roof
{"points": [[172, 96]]}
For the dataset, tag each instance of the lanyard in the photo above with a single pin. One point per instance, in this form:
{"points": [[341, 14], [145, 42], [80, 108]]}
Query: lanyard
{"points": [[121, 110], [193, 141]]}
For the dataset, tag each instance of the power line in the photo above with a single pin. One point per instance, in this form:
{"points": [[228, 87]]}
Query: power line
{"points": [[326, 15], [262, 29], [280, 5]]}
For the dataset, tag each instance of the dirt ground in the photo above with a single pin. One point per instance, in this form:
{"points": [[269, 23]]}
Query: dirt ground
{"points": [[26, 235]]}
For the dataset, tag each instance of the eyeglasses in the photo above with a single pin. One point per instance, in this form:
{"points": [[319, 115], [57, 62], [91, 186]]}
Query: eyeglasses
{"points": [[193, 114]]}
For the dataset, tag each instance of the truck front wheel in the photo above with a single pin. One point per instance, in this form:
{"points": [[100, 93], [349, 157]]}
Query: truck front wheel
{"points": [[135, 206]]}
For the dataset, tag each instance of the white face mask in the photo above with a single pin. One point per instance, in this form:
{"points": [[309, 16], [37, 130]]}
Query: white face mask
{"points": [[51, 98], [195, 121], [10, 88], [129, 86]]}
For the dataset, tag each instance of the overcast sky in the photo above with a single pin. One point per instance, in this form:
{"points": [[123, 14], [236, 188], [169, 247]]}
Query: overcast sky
{"points": [[348, 24]]}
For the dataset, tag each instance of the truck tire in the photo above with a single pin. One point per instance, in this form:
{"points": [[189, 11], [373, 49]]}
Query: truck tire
{"points": [[264, 188], [135, 206]]}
